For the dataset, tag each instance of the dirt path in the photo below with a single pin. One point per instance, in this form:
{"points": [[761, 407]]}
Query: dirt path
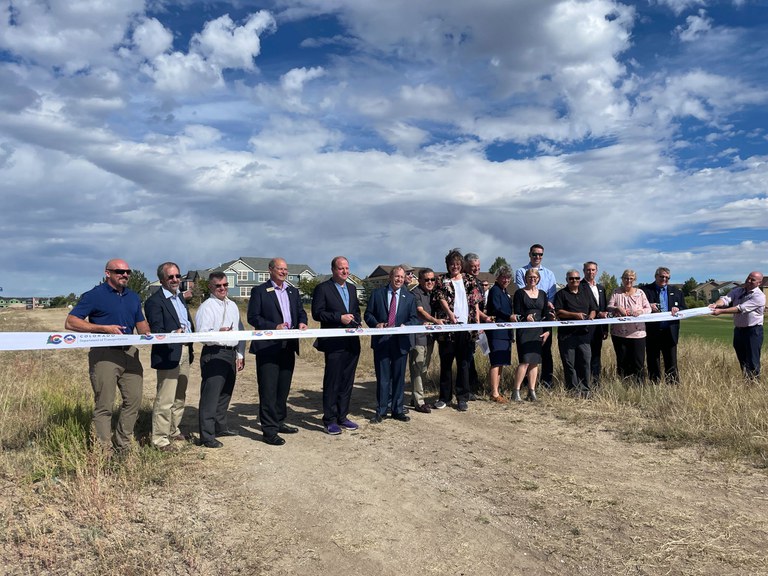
{"points": [[496, 490]]}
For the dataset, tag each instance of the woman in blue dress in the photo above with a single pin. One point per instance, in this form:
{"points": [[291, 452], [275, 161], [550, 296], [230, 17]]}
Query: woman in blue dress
{"points": [[499, 306]]}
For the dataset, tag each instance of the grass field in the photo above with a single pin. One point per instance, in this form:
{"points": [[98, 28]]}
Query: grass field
{"points": [[719, 329]]}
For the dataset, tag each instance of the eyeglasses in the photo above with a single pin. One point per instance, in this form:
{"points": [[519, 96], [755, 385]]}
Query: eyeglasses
{"points": [[537, 254], [174, 277], [225, 285], [119, 271], [573, 279]]}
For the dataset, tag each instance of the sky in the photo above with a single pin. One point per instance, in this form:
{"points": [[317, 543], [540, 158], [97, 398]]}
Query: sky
{"points": [[629, 133]]}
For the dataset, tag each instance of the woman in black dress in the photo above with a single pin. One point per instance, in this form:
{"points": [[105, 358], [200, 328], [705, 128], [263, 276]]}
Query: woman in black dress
{"points": [[499, 306], [530, 305]]}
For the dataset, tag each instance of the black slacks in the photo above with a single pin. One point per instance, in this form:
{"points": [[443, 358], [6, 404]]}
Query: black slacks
{"points": [[338, 379], [274, 372]]}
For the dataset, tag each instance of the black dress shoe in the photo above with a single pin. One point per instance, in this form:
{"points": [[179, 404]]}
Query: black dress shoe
{"points": [[212, 444], [227, 432], [401, 417], [376, 419], [285, 429], [273, 440]]}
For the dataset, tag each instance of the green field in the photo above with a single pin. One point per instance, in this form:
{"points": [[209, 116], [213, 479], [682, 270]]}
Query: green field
{"points": [[709, 328]]}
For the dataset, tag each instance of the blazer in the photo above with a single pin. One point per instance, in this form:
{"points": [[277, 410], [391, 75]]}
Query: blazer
{"points": [[601, 303], [327, 308], [264, 313], [675, 299], [162, 318], [500, 306], [377, 311]]}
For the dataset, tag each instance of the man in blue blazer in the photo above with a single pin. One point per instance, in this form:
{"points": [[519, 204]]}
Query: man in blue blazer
{"points": [[335, 305], [275, 305], [389, 306], [166, 311]]}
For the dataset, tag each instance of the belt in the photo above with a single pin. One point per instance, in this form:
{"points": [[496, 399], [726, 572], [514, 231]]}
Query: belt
{"points": [[217, 347], [123, 348]]}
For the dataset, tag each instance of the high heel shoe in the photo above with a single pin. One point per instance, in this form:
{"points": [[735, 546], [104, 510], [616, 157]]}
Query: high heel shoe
{"points": [[516, 396], [531, 395]]}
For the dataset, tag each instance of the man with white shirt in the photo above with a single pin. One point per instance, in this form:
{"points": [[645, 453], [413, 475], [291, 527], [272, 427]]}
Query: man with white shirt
{"points": [[600, 332], [220, 361], [166, 311], [747, 304], [548, 284]]}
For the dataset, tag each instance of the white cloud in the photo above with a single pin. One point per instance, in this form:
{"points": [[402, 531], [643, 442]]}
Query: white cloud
{"points": [[226, 45], [152, 38], [696, 26]]}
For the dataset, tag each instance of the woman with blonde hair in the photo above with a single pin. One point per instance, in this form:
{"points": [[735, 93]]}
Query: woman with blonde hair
{"points": [[530, 305], [629, 337]]}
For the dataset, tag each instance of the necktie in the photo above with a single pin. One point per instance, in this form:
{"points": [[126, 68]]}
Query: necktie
{"points": [[392, 310]]}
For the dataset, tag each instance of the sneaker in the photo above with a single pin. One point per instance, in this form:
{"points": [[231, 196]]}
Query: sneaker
{"points": [[439, 405], [347, 424], [333, 429], [462, 407], [472, 397]]}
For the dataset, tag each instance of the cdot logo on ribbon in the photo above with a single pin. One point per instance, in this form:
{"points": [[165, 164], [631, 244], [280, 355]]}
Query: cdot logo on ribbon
{"points": [[55, 339]]}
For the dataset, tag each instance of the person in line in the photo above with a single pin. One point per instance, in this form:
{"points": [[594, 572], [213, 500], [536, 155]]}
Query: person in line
{"points": [[456, 300], [420, 354], [220, 360], [335, 305], [530, 305], [499, 308], [389, 306], [747, 304], [628, 338], [661, 341], [548, 284], [166, 311], [112, 308], [600, 332], [275, 305], [574, 303]]}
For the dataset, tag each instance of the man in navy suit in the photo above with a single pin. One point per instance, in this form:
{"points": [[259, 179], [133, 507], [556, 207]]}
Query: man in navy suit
{"points": [[275, 305], [661, 337], [335, 305], [589, 282], [388, 306], [166, 311]]}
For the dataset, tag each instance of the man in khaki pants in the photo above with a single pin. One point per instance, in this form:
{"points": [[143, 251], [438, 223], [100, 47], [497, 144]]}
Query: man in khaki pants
{"points": [[112, 308], [167, 311]]}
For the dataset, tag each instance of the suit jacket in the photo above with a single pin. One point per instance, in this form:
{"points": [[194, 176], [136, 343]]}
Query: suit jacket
{"points": [[377, 312], [675, 299], [601, 302], [327, 308], [162, 318], [499, 306], [264, 313]]}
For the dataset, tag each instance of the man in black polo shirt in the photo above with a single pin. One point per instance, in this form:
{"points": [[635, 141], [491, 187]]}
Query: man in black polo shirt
{"points": [[112, 308], [574, 342]]}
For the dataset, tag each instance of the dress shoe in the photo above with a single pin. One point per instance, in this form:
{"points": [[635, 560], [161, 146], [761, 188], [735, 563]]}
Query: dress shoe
{"points": [[212, 444], [401, 417], [228, 432], [167, 448], [273, 440], [179, 438], [424, 409], [472, 397], [285, 429], [376, 419]]}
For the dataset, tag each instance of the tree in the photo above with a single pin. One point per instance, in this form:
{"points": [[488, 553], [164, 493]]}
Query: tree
{"points": [[498, 263], [63, 301], [689, 286], [200, 292], [139, 284], [307, 286], [610, 283]]}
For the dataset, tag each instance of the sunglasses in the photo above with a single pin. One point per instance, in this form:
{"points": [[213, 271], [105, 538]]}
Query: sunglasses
{"points": [[430, 279], [119, 271], [174, 276], [537, 254], [573, 279], [225, 285]]}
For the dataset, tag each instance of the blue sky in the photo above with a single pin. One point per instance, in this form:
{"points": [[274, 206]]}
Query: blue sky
{"points": [[630, 133]]}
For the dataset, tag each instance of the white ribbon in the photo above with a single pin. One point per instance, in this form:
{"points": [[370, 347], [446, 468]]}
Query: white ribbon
{"points": [[66, 340]]}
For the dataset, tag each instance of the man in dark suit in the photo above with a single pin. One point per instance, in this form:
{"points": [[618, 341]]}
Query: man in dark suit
{"points": [[600, 333], [661, 337], [166, 311], [335, 305], [389, 306], [275, 305]]}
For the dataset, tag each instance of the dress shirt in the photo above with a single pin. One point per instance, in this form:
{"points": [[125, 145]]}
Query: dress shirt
{"points": [[393, 294], [751, 306], [344, 293], [285, 303], [547, 281], [178, 305], [215, 314]]}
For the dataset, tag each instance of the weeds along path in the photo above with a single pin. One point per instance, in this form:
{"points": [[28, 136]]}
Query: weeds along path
{"points": [[497, 490]]}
